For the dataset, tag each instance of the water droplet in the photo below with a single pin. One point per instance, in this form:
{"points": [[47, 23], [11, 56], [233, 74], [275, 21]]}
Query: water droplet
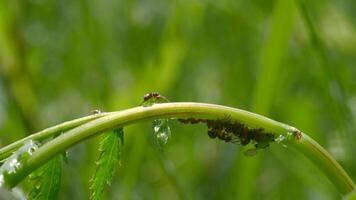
{"points": [[95, 111], [13, 162], [30, 147], [280, 138], [66, 157], [162, 132], [156, 128], [14, 165]]}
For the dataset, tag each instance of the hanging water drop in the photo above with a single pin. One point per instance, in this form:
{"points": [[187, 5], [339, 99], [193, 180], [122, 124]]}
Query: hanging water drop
{"points": [[280, 139], [96, 112], [162, 132]]}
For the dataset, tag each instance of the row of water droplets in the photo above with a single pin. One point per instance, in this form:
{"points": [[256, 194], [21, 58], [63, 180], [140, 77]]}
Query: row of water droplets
{"points": [[162, 131], [11, 166]]}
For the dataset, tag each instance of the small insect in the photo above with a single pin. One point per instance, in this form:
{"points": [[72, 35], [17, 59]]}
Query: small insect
{"points": [[219, 129], [154, 97], [148, 96], [298, 134]]}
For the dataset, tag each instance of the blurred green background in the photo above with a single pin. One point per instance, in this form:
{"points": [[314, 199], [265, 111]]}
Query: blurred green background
{"points": [[293, 61]]}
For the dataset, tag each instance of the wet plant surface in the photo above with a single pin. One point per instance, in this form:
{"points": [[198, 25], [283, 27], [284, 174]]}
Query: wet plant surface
{"points": [[161, 129], [290, 60]]}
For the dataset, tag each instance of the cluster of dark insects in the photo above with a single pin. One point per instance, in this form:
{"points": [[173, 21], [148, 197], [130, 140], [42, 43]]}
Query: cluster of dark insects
{"points": [[229, 130]]}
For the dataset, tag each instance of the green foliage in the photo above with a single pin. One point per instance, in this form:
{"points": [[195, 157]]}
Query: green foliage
{"points": [[47, 180], [110, 156], [61, 59], [351, 196]]}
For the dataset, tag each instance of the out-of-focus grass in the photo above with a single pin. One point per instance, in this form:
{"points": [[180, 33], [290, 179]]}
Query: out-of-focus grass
{"points": [[267, 84]]}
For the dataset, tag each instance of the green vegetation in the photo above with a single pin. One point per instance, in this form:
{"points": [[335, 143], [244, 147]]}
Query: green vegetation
{"points": [[258, 130], [292, 61]]}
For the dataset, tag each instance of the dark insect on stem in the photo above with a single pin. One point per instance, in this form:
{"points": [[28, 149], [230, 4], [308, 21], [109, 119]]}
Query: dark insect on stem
{"points": [[148, 96], [297, 134], [153, 98], [154, 95]]}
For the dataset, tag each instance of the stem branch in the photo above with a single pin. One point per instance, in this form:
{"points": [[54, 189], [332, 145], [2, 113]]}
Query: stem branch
{"points": [[91, 127]]}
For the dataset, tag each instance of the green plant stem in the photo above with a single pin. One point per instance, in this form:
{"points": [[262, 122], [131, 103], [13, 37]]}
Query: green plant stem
{"points": [[166, 110], [326, 163], [46, 133]]}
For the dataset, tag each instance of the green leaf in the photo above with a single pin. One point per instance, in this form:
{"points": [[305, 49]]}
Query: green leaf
{"points": [[47, 180], [110, 155]]}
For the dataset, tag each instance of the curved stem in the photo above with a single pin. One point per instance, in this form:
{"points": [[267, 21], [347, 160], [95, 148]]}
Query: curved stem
{"points": [[46, 133], [326, 163], [165, 110]]}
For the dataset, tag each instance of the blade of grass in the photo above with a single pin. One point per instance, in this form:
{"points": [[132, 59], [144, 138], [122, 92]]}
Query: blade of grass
{"points": [[271, 62], [327, 76], [12, 65]]}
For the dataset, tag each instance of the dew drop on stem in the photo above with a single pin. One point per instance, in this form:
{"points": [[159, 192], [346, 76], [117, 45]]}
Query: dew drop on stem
{"points": [[280, 140], [14, 162], [161, 129], [162, 132]]}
